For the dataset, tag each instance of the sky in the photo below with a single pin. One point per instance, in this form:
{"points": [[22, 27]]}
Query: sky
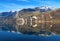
{"points": [[16, 5]]}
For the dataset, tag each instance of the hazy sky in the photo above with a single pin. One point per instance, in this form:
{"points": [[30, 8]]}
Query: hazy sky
{"points": [[8, 5]]}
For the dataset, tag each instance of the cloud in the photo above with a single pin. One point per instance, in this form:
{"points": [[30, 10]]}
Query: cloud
{"points": [[14, 7], [18, 4], [24, 0]]}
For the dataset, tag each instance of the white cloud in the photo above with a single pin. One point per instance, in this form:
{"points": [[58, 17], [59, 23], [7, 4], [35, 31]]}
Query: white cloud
{"points": [[24, 0], [15, 7]]}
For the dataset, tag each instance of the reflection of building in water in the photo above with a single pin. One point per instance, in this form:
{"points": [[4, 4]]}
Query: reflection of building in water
{"points": [[43, 21], [34, 23], [20, 21], [56, 21]]}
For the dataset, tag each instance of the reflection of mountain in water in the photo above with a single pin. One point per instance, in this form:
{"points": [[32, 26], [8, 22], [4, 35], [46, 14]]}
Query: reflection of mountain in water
{"points": [[48, 21], [7, 20], [34, 22]]}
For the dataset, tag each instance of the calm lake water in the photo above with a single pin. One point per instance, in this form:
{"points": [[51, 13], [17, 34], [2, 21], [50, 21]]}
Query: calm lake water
{"points": [[8, 36]]}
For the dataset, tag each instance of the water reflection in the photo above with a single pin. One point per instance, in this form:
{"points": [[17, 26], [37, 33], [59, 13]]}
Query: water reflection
{"points": [[40, 24], [36, 24]]}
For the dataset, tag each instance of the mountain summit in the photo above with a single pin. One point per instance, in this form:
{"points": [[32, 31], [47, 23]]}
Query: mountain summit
{"points": [[45, 9], [41, 9]]}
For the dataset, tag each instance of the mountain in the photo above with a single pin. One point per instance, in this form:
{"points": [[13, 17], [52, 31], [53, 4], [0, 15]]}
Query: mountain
{"points": [[8, 14], [40, 9], [28, 10], [45, 9]]}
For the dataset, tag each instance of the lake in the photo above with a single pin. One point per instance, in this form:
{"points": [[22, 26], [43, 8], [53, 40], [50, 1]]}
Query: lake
{"points": [[8, 36]]}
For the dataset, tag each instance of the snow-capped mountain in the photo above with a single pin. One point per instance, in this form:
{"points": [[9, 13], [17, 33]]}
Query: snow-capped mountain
{"points": [[6, 14], [45, 9], [41, 9]]}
